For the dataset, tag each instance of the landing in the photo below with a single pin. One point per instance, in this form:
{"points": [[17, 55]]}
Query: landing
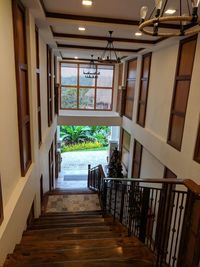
{"points": [[72, 203]]}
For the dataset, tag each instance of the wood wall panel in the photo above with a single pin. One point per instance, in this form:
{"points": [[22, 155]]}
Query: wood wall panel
{"points": [[143, 93], [197, 147], [38, 87], [185, 62], [125, 148], [19, 26], [1, 204], [49, 86], [130, 88], [137, 158]]}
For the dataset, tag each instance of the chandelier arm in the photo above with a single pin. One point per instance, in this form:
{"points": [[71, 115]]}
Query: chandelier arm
{"points": [[114, 51], [150, 23], [106, 49], [164, 7], [188, 6], [152, 13]]}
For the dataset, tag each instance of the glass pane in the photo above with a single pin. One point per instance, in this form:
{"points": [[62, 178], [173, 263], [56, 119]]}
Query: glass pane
{"points": [[69, 98], [105, 78], [86, 98], [104, 99], [90, 82], [69, 73]]}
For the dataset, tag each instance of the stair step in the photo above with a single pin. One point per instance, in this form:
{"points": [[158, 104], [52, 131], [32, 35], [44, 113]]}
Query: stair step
{"points": [[72, 230], [70, 236], [67, 219], [96, 263], [87, 213], [120, 252], [83, 243], [64, 225]]}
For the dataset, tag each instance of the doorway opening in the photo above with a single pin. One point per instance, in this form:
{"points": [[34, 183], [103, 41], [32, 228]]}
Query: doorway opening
{"points": [[80, 146]]}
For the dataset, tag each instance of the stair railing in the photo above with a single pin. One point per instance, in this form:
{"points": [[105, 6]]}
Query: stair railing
{"points": [[163, 213], [96, 177]]}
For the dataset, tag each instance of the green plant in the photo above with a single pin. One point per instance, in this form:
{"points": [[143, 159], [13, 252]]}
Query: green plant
{"points": [[74, 134], [81, 146]]}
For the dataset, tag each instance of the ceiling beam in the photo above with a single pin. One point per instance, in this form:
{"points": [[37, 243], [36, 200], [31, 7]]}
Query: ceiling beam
{"points": [[98, 48], [104, 20], [102, 38]]}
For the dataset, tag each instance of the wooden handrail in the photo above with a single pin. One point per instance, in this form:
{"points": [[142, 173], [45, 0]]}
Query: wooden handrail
{"points": [[190, 184]]}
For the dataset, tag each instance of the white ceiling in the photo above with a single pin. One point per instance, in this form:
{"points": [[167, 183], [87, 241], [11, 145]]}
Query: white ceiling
{"points": [[116, 9]]}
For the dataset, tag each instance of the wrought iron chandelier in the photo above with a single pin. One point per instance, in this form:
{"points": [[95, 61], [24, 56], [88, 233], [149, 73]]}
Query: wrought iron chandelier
{"points": [[109, 54], [189, 23], [91, 70]]}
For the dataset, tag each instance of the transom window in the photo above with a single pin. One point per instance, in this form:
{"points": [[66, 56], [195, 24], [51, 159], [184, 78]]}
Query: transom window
{"points": [[78, 92]]}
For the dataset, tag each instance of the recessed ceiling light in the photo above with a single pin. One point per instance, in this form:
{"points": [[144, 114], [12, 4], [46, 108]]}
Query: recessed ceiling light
{"points": [[75, 57], [138, 34], [81, 28], [87, 2], [170, 11]]}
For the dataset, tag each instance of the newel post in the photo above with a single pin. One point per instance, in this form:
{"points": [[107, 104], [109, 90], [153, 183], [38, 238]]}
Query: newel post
{"points": [[89, 178]]}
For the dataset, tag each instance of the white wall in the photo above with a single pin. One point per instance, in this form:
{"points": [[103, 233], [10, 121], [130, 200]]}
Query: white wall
{"points": [[154, 136], [19, 192]]}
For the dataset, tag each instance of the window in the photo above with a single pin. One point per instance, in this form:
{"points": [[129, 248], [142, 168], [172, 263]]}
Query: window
{"points": [[125, 148], [49, 86], [197, 148], [19, 25], [144, 86], [38, 87], [130, 88], [78, 92], [181, 91], [1, 204], [137, 157]]}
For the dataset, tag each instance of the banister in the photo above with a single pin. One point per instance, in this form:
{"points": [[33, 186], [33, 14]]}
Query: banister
{"points": [[190, 184]]}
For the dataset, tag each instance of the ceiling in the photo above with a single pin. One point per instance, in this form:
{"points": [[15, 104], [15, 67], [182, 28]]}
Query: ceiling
{"points": [[64, 17]]}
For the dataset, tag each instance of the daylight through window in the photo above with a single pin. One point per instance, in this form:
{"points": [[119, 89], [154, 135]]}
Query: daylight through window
{"points": [[78, 92]]}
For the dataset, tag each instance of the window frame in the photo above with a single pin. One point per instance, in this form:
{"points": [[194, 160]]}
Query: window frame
{"points": [[23, 101], [78, 87], [39, 115], [180, 78], [128, 98], [49, 86], [134, 161], [142, 79]]}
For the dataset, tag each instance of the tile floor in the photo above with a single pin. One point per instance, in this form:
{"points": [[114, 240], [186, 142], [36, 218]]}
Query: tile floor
{"points": [[76, 163], [73, 203]]}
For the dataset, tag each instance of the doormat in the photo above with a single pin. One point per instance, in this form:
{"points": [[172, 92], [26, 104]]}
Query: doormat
{"points": [[75, 177]]}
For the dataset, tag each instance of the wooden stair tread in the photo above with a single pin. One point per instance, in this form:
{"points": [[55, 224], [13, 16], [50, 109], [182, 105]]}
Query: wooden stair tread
{"points": [[64, 225], [84, 243], [78, 239], [127, 253], [97, 263]]}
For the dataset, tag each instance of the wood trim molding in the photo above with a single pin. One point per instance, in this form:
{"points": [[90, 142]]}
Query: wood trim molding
{"points": [[197, 146], [98, 48], [54, 15], [102, 38], [1, 204]]}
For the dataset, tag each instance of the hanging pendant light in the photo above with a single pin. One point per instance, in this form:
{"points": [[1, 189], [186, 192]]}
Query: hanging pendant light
{"points": [[185, 23], [109, 54], [91, 70]]}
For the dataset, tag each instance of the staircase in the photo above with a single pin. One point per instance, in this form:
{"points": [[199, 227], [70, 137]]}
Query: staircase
{"points": [[76, 239]]}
